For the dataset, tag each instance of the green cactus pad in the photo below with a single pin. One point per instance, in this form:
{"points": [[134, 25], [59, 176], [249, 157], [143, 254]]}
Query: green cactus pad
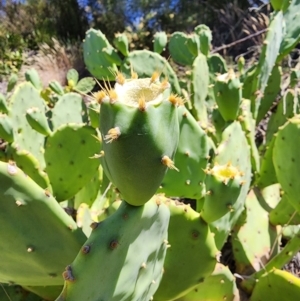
{"points": [[286, 159], [192, 255], [3, 104], [248, 125], [200, 83], [69, 109], [121, 43], [254, 240], [270, 94], [94, 113], [33, 77], [276, 285], [292, 30], [24, 97], [284, 213], [179, 47], [96, 49], [123, 258], [49, 292], [219, 286], [286, 109], [160, 41], [30, 166], [38, 121], [45, 238], [228, 95], [205, 37], [190, 158], [267, 59], [68, 153], [140, 131], [223, 187], [267, 175], [6, 128], [233, 149], [146, 63], [216, 64]]}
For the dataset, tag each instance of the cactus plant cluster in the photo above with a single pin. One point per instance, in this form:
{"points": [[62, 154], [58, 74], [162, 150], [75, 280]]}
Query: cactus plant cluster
{"points": [[96, 187]]}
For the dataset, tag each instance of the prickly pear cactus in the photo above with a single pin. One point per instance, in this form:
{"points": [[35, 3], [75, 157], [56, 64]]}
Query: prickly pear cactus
{"points": [[45, 237], [192, 255], [123, 258]]}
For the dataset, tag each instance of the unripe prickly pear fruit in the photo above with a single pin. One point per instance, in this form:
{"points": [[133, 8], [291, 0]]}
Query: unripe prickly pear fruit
{"points": [[140, 130], [228, 95]]}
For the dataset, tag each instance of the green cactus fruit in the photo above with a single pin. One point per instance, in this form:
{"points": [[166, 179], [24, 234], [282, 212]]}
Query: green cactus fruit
{"points": [[12, 81], [123, 258], [200, 84], [285, 159], [45, 238], [241, 65], [160, 41], [248, 125], [276, 285], [192, 255], [179, 47], [68, 153], [99, 56], [24, 97], [56, 87], [6, 128], [228, 95], [233, 149], [121, 43], [72, 77], [69, 109], [191, 159], [271, 91], [139, 127], [38, 121], [284, 213], [3, 104], [33, 77], [254, 239], [145, 63], [219, 286], [223, 187], [30, 166], [205, 37]]}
